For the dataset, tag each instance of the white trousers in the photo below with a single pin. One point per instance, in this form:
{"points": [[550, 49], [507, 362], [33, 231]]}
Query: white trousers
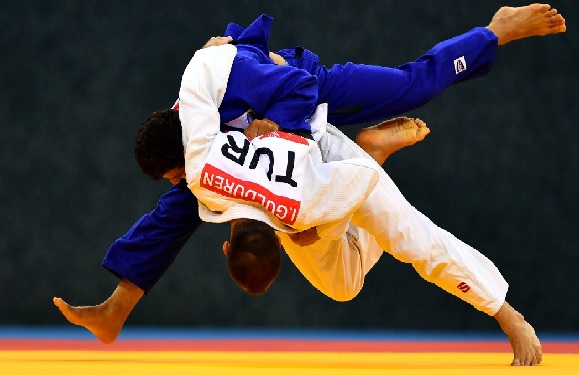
{"points": [[337, 265]]}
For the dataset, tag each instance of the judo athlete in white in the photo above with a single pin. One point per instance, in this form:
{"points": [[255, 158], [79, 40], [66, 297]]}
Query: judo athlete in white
{"points": [[222, 170]]}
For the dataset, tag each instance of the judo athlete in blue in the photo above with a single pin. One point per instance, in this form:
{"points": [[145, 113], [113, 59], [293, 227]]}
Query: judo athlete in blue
{"points": [[354, 93], [167, 228]]}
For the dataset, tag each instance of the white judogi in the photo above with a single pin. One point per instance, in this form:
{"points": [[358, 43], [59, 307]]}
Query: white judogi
{"points": [[336, 187]]}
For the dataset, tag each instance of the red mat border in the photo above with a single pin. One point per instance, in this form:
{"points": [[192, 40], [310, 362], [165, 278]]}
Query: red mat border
{"points": [[280, 345]]}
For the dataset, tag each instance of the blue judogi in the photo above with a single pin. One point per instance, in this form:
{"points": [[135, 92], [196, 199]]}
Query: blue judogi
{"points": [[355, 94]]}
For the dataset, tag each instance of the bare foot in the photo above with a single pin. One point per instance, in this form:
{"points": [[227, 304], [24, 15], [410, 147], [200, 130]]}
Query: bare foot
{"points": [[382, 140], [524, 341], [510, 23], [98, 319], [106, 320]]}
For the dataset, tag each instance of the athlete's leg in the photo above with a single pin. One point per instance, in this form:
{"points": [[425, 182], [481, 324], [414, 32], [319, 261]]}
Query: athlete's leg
{"points": [[437, 255], [358, 93]]}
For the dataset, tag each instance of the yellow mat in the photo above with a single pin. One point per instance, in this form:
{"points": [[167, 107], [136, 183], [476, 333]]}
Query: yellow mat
{"points": [[256, 363]]}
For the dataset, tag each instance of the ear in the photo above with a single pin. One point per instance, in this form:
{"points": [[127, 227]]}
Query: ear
{"points": [[226, 246]]}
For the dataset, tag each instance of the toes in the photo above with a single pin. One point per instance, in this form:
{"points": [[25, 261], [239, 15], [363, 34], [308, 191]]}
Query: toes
{"points": [[58, 302], [518, 362], [532, 360], [422, 133]]}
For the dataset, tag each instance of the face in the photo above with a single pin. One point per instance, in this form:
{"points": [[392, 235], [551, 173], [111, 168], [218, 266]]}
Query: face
{"points": [[175, 175]]}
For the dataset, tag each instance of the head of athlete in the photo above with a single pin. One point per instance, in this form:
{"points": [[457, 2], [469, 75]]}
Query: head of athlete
{"points": [[253, 255], [159, 147]]}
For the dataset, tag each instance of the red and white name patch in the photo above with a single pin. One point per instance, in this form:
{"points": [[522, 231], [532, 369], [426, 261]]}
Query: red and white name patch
{"points": [[267, 171]]}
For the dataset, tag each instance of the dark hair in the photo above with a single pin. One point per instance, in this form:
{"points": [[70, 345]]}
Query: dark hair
{"points": [[159, 144], [254, 258]]}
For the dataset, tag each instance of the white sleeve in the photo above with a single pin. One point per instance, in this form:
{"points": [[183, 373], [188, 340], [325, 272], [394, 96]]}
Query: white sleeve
{"points": [[202, 89]]}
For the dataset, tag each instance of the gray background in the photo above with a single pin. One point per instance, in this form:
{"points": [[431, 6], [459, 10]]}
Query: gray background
{"points": [[499, 169]]}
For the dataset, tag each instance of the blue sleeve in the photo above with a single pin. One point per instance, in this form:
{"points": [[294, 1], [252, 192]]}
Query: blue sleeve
{"points": [[358, 93], [149, 248], [284, 94]]}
